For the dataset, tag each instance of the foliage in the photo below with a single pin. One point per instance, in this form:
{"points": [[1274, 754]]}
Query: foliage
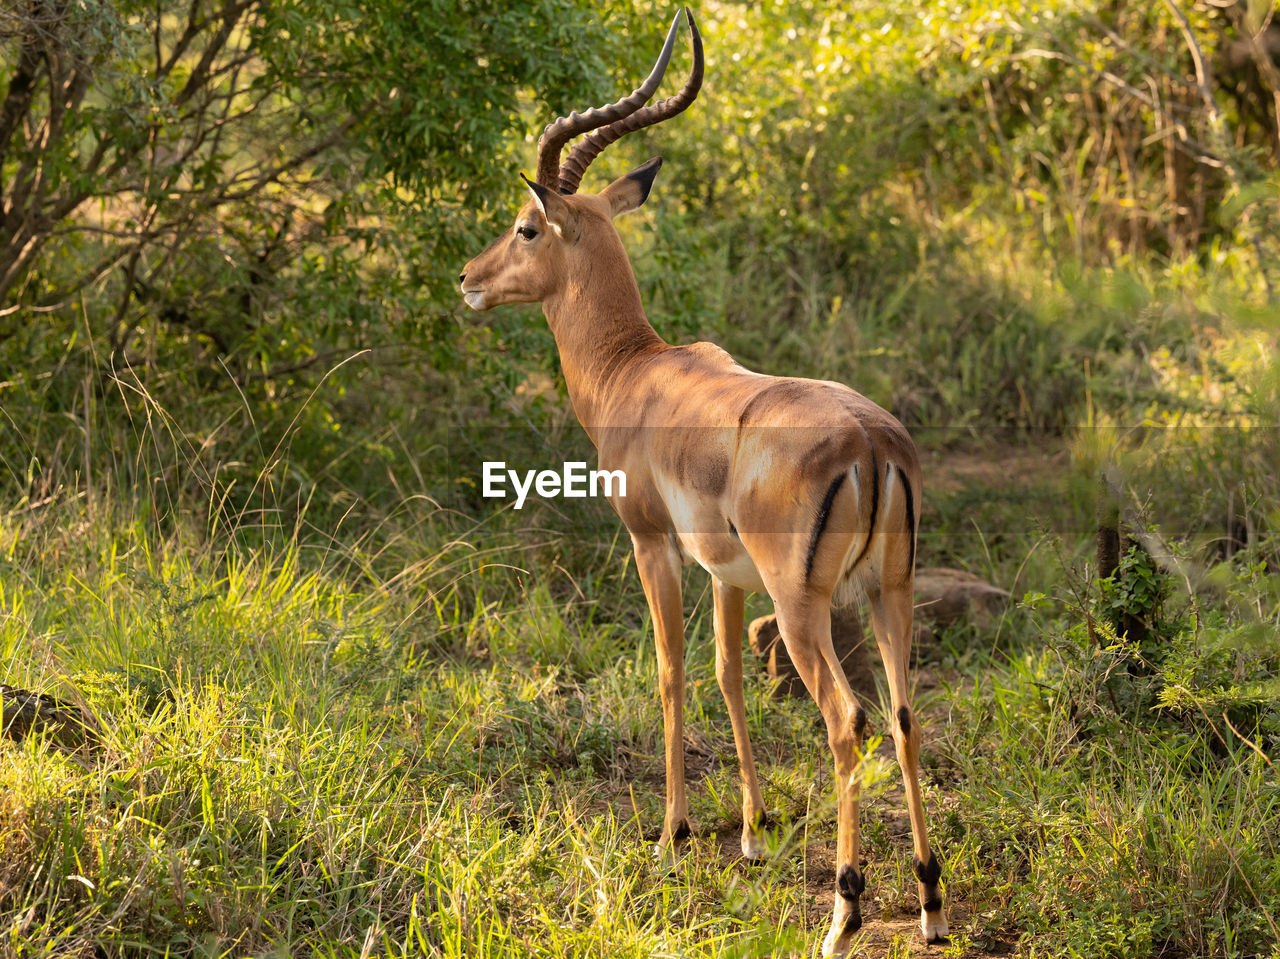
{"points": [[227, 179], [1141, 817], [352, 707], [1093, 125], [1135, 592]]}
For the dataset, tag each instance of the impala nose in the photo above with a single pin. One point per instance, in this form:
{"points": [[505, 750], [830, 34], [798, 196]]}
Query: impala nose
{"points": [[462, 278]]}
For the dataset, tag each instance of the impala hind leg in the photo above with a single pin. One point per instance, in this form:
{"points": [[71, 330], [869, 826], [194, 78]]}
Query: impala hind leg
{"points": [[806, 630], [891, 610], [729, 605], [659, 569]]}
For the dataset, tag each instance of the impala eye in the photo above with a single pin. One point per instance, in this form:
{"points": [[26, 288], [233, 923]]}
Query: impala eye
{"points": [[526, 233]]}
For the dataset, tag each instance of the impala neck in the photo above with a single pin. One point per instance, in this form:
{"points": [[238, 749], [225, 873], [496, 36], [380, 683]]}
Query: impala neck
{"points": [[600, 330]]}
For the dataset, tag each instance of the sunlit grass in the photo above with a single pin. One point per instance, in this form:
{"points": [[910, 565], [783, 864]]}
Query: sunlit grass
{"points": [[290, 761], [379, 720]]}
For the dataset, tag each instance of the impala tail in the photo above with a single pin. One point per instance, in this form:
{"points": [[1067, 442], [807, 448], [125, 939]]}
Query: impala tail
{"points": [[888, 496]]}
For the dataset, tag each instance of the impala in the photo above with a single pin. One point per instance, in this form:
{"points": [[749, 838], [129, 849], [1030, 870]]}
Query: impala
{"points": [[802, 489]]}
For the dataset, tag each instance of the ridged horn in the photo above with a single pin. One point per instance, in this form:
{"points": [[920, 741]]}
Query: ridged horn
{"points": [[580, 157], [614, 115]]}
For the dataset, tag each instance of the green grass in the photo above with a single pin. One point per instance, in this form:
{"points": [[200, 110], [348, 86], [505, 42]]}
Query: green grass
{"points": [[1116, 841], [284, 766], [299, 756], [349, 708]]}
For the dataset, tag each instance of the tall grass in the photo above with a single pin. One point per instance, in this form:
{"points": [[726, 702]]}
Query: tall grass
{"points": [[347, 707], [285, 767], [385, 740]]}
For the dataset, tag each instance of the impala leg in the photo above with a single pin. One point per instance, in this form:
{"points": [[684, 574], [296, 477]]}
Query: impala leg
{"points": [[729, 605], [806, 630], [659, 569], [891, 611]]}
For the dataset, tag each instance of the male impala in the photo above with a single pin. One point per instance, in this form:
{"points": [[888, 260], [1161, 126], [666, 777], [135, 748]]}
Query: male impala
{"points": [[803, 489]]}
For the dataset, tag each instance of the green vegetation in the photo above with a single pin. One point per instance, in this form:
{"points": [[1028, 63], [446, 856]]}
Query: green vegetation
{"points": [[346, 706]]}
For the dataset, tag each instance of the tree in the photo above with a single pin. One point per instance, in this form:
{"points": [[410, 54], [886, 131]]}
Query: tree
{"points": [[167, 162]]}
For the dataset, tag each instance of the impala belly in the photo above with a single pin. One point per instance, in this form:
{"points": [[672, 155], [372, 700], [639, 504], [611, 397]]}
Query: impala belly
{"points": [[702, 535], [738, 570]]}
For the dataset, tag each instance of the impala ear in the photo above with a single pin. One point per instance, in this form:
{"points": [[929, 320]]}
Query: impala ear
{"points": [[626, 194], [561, 217]]}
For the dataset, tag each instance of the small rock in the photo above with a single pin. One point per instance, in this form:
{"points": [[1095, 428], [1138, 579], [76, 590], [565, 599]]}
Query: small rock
{"points": [[23, 713], [948, 596], [846, 635]]}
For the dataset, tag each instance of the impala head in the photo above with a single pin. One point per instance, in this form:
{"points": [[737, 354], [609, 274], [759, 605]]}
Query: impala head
{"points": [[558, 230]]}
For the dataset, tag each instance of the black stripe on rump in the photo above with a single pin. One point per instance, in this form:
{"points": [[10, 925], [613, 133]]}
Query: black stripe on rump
{"points": [[875, 490], [824, 513]]}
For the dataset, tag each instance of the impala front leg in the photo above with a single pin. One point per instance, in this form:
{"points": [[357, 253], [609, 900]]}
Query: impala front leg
{"points": [[659, 568], [729, 606]]}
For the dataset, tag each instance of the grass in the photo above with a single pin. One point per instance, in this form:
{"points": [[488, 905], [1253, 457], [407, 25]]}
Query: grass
{"points": [[1128, 843], [348, 708], [275, 775], [300, 754]]}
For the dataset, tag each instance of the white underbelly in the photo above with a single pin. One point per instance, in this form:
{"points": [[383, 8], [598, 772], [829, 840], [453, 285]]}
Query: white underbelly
{"points": [[741, 572], [720, 554], [737, 570]]}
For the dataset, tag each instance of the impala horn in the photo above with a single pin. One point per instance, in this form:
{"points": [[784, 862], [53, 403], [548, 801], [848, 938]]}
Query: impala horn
{"points": [[604, 125]]}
